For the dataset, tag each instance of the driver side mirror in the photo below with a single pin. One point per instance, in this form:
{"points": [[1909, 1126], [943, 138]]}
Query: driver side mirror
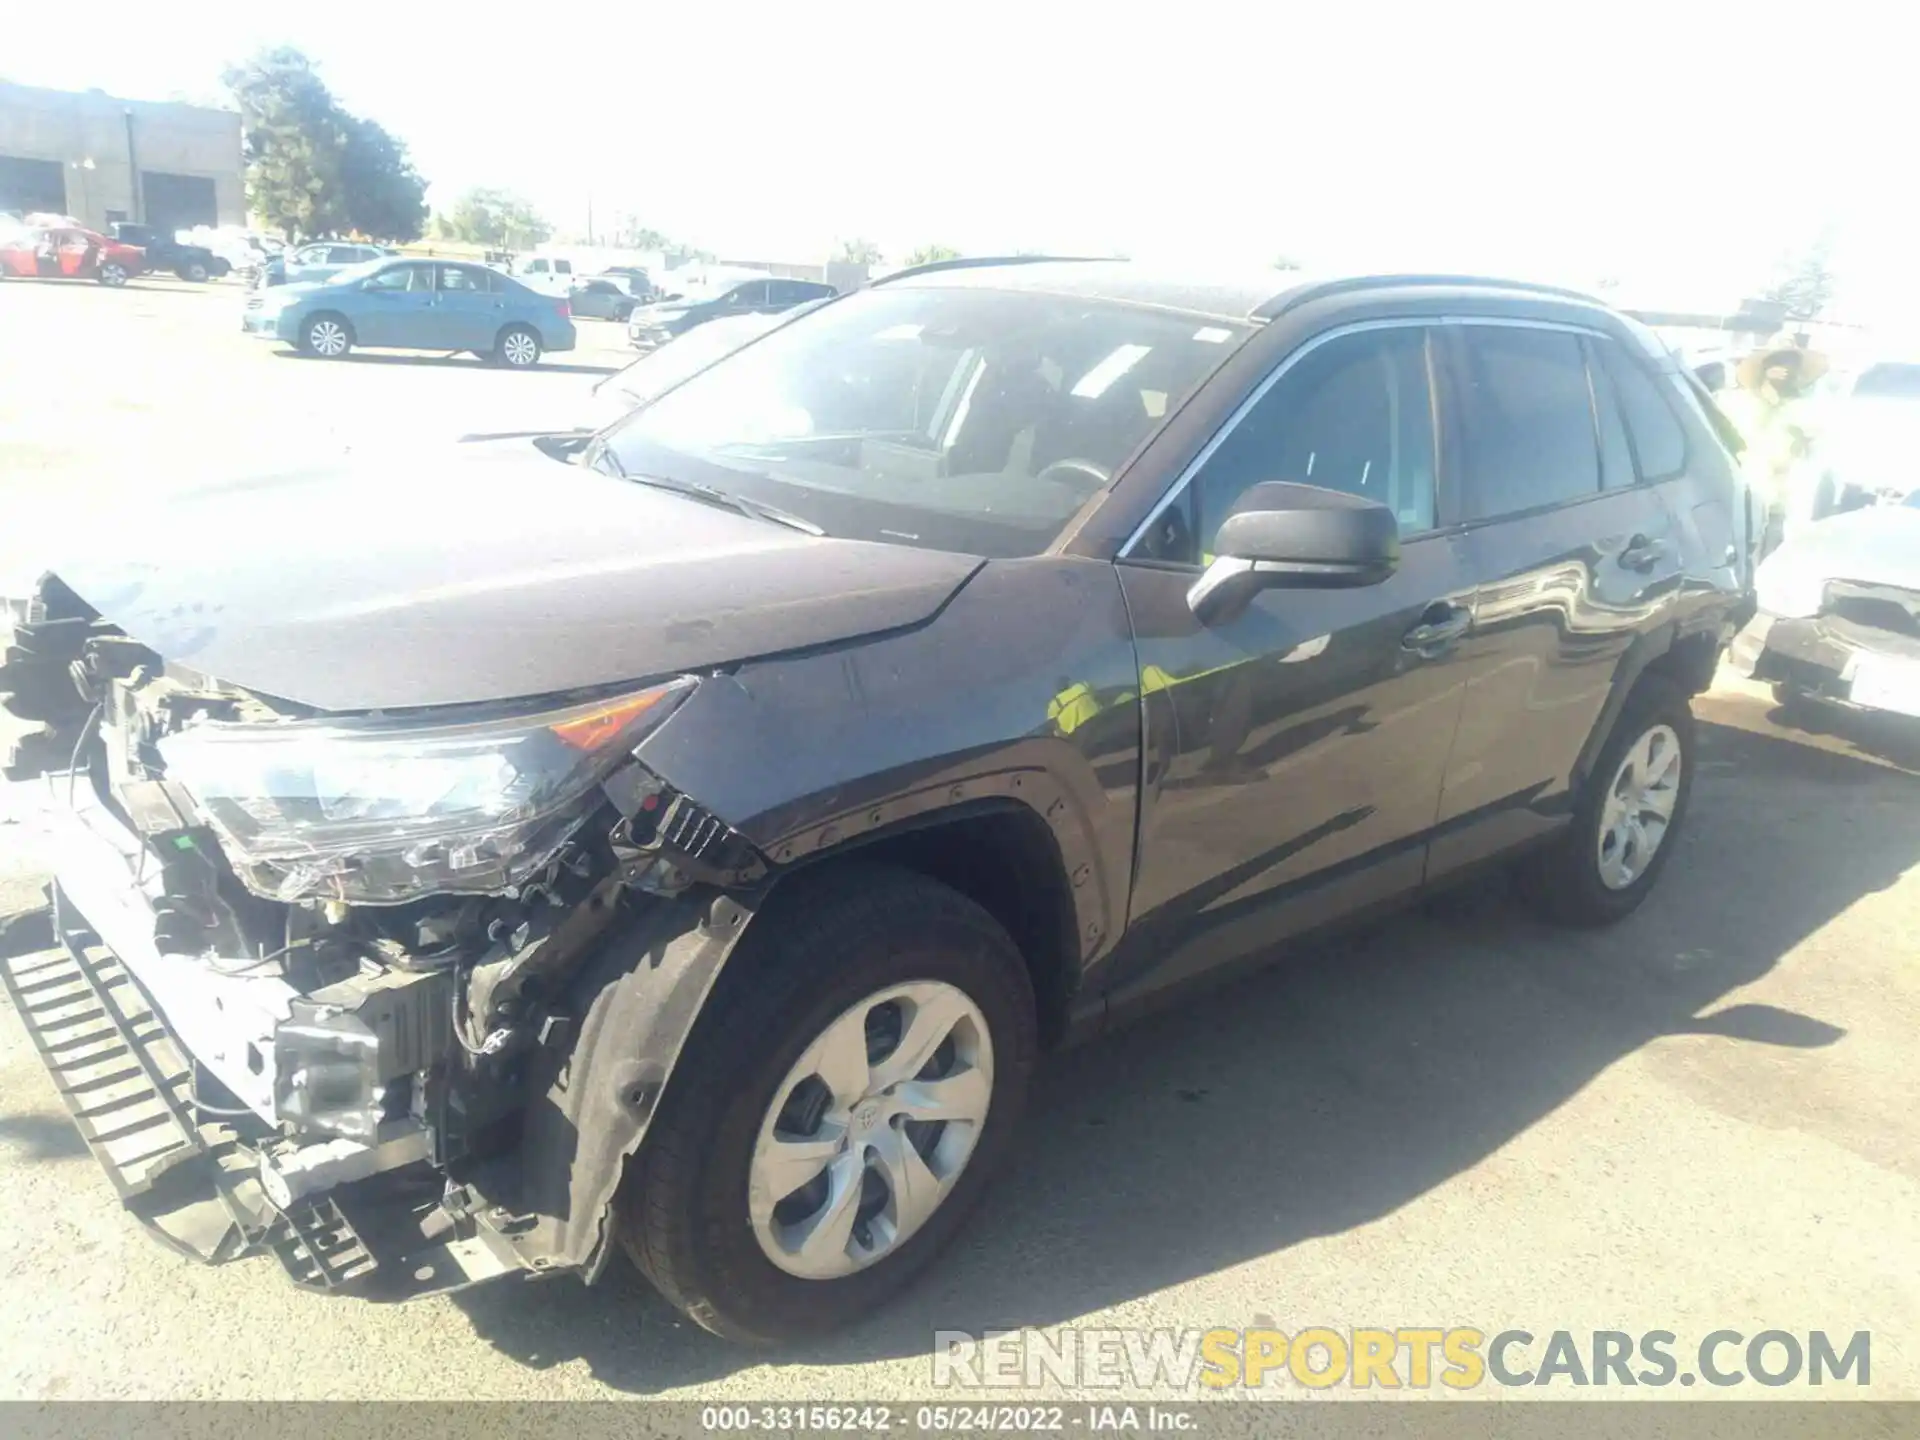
{"points": [[1298, 537]]}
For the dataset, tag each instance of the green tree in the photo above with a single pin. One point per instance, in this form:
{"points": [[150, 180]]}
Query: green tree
{"points": [[292, 138], [313, 168], [496, 218], [382, 195], [1287, 262], [928, 254], [1804, 283], [858, 252]]}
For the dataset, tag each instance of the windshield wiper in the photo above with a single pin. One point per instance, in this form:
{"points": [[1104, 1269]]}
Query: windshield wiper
{"points": [[714, 495]]}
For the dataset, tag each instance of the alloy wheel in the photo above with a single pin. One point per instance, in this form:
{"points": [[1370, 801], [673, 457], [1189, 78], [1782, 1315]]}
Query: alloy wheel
{"points": [[520, 348], [870, 1129], [1639, 807], [328, 338]]}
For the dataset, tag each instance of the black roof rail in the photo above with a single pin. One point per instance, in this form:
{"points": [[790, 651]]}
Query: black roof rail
{"points": [[970, 262], [1316, 290]]}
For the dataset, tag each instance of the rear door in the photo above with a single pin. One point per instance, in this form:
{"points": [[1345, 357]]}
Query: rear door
{"points": [[469, 312], [1295, 751], [1577, 557]]}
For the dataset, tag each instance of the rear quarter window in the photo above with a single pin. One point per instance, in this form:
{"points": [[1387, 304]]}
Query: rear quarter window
{"points": [[1659, 444]]}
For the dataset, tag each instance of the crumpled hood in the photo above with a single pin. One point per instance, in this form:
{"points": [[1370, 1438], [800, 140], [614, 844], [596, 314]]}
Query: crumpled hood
{"points": [[486, 572], [1879, 545]]}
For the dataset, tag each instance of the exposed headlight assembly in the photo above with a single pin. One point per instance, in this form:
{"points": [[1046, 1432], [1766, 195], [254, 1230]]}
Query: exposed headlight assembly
{"points": [[382, 811]]}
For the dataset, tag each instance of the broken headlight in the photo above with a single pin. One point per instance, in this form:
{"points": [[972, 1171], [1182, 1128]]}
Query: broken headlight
{"points": [[381, 811]]}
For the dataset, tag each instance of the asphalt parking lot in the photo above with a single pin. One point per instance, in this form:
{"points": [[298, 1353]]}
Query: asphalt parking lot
{"points": [[1707, 1118]]}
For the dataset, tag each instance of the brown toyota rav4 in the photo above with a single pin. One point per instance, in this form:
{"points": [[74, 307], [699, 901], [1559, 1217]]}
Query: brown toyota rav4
{"points": [[685, 840]]}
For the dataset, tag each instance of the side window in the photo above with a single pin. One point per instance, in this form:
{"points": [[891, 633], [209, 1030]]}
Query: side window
{"points": [[1658, 441], [459, 279], [402, 277], [1527, 418], [1355, 413], [536, 267], [563, 267], [394, 277], [754, 293], [1616, 451]]}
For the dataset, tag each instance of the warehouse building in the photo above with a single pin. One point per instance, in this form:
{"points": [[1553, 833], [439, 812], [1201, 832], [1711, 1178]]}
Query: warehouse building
{"points": [[101, 159]]}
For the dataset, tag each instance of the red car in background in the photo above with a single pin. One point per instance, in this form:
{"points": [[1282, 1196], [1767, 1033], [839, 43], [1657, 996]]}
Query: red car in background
{"points": [[68, 252]]}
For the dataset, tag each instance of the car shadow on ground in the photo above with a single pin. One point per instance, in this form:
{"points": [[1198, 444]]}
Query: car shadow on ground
{"points": [[1892, 738], [459, 360], [1322, 1094]]}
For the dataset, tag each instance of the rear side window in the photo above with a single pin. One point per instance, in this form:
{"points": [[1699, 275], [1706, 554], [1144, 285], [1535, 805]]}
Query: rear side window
{"points": [[1526, 417], [1659, 444]]}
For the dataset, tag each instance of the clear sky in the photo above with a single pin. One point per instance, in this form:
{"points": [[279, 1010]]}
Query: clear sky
{"points": [[1680, 147]]}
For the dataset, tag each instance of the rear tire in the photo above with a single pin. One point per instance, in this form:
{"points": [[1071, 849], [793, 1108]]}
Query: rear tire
{"points": [[113, 274], [193, 271], [1628, 819], [518, 348], [915, 953]]}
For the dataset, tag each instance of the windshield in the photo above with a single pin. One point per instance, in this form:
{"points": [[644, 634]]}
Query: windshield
{"points": [[956, 419], [656, 373]]}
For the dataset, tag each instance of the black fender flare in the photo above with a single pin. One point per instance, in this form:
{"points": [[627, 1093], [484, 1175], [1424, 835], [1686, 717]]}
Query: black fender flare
{"points": [[1646, 648]]}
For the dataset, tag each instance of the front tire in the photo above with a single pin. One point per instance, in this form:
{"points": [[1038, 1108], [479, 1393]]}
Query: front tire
{"points": [[327, 336], [853, 1083], [1625, 826], [518, 348]]}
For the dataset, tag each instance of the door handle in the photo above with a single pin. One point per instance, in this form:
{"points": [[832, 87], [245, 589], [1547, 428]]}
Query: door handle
{"points": [[1441, 625], [1642, 553]]}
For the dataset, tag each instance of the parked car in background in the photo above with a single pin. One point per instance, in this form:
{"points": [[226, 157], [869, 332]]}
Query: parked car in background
{"points": [[691, 849], [319, 261], [390, 304], [165, 252], [548, 274], [654, 325], [69, 252], [635, 280], [1839, 611], [601, 298], [659, 370], [1869, 441]]}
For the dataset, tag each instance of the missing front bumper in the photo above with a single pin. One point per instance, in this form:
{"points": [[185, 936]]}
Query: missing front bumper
{"points": [[189, 1177], [1832, 657]]}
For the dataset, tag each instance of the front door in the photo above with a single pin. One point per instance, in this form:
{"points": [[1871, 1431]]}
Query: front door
{"points": [[397, 309], [1577, 557], [1294, 753]]}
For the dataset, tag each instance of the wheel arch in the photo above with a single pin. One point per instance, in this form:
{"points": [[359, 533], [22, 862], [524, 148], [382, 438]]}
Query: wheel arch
{"points": [[638, 1003], [1002, 855], [1685, 661]]}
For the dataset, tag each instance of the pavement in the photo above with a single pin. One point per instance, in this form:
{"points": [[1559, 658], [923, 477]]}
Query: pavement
{"points": [[1707, 1117]]}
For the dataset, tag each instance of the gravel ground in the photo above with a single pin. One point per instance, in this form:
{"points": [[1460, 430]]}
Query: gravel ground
{"points": [[1705, 1118]]}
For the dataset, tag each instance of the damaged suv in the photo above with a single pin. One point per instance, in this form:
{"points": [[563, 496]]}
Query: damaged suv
{"points": [[686, 839]]}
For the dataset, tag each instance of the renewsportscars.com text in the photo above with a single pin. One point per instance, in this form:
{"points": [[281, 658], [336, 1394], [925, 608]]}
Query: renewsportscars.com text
{"points": [[1457, 1358]]}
